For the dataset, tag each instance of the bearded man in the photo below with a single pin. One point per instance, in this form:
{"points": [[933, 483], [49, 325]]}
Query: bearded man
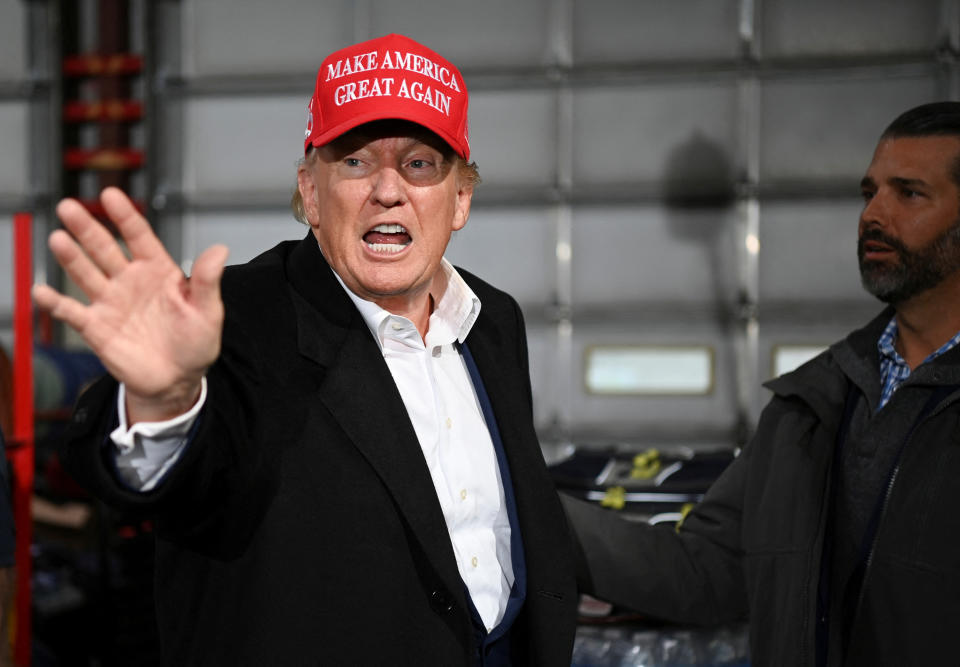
{"points": [[835, 531]]}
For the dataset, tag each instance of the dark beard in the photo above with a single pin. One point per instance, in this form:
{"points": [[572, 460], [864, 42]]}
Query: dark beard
{"points": [[915, 271]]}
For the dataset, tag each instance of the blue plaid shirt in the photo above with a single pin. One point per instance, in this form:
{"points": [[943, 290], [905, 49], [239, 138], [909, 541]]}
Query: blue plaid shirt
{"points": [[893, 369]]}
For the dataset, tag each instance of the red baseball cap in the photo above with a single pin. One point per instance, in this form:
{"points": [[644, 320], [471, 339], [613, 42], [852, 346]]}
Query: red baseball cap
{"points": [[391, 77]]}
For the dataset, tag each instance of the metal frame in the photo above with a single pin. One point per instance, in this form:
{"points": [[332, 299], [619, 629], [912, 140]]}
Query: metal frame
{"points": [[741, 320]]}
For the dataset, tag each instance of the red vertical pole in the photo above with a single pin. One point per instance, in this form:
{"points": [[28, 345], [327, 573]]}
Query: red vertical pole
{"points": [[21, 454]]}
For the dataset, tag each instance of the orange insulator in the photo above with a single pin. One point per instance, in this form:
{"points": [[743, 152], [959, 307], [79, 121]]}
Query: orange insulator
{"points": [[79, 111], [98, 64], [103, 158]]}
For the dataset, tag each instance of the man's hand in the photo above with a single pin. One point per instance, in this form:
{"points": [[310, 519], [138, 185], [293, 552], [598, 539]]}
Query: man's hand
{"points": [[153, 329]]}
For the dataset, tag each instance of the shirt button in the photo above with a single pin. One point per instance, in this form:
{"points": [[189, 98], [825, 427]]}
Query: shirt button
{"points": [[396, 326], [463, 494], [449, 423], [473, 561]]}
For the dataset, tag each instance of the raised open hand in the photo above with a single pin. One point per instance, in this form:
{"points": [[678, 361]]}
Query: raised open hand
{"points": [[153, 329]]}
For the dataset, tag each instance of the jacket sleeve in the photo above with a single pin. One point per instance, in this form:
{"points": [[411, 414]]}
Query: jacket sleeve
{"points": [[691, 575], [222, 480]]}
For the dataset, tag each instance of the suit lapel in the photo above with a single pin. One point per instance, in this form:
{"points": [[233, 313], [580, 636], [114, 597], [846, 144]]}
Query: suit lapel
{"points": [[360, 393], [502, 383], [536, 501]]}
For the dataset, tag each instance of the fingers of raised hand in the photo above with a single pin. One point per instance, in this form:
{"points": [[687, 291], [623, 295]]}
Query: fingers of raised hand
{"points": [[62, 307], [205, 278], [93, 237], [78, 266], [134, 228]]}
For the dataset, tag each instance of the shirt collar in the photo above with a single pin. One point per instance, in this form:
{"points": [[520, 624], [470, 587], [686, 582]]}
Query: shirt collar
{"points": [[452, 318], [885, 344]]}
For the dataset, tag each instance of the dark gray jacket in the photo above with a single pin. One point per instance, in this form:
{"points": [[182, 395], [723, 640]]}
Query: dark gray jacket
{"points": [[753, 545]]}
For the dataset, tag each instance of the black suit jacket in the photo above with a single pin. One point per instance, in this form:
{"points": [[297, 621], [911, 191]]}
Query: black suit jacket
{"points": [[301, 525]]}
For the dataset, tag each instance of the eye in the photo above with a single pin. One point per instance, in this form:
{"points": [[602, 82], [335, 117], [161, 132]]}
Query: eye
{"points": [[421, 169], [352, 161], [867, 195], [910, 193], [421, 164]]}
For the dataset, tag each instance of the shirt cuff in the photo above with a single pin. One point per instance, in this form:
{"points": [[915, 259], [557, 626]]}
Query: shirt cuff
{"points": [[144, 452], [124, 437]]}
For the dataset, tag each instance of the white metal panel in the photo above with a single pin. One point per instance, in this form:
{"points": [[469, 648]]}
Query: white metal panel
{"points": [[652, 370], [787, 357], [715, 410], [13, 42], [851, 26], [828, 127], [246, 234], [513, 137], [467, 33], [629, 255], [239, 144], [513, 249], [808, 251], [14, 151], [251, 37], [630, 134], [623, 30], [642, 273], [549, 379]]}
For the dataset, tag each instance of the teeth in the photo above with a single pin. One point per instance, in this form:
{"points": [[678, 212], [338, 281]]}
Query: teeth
{"points": [[390, 229], [387, 247]]}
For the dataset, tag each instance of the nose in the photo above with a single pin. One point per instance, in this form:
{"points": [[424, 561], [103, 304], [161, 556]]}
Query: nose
{"points": [[388, 188], [875, 211]]}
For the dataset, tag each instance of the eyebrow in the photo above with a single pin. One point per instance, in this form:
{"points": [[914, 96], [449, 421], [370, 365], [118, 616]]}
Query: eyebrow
{"points": [[868, 182], [908, 182]]}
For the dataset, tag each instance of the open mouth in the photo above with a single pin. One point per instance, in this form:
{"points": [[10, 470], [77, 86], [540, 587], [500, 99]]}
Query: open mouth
{"points": [[875, 246], [876, 249], [387, 238]]}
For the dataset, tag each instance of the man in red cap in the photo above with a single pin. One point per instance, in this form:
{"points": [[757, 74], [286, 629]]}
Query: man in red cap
{"points": [[336, 438]]}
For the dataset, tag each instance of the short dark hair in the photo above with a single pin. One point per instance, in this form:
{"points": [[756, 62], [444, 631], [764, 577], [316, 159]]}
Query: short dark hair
{"points": [[927, 120], [936, 119]]}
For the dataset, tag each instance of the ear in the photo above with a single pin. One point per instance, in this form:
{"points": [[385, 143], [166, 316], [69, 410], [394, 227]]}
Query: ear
{"points": [[308, 194], [462, 212]]}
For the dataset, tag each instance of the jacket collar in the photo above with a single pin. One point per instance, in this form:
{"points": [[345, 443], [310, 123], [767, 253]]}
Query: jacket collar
{"points": [[451, 320], [324, 312], [823, 381]]}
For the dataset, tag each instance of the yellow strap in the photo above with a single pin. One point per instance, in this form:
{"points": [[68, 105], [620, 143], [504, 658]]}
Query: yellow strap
{"points": [[684, 511], [614, 497], [646, 465]]}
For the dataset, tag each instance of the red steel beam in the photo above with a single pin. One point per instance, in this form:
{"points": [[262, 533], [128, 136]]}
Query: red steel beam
{"points": [[21, 454]]}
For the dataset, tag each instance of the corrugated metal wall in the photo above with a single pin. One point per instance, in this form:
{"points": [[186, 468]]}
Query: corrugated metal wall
{"points": [[656, 172]]}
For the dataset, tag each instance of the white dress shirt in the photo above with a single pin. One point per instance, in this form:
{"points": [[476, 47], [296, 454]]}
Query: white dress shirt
{"points": [[440, 399]]}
